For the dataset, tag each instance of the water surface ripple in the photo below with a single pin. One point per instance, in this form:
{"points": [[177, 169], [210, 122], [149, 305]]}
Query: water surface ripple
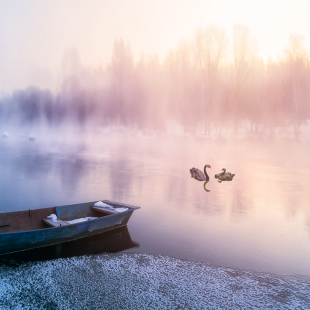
{"points": [[259, 221]]}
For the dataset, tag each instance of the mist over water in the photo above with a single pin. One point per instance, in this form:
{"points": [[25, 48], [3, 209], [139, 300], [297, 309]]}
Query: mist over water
{"points": [[259, 221]]}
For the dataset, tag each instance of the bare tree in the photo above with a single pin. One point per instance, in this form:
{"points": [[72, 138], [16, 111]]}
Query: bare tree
{"points": [[296, 57], [183, 98], [210, 47], [121, 67], [275, 93], [243, 51]]}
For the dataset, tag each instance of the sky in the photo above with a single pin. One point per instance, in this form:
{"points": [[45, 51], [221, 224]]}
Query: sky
{"points": [[35, 34]]}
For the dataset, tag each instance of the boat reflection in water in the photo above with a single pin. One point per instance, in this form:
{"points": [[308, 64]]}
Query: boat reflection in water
{"points": [[112, 241]]}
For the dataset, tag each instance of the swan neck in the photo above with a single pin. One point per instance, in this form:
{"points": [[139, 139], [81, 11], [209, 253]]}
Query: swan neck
{"points": [[205, 171]]}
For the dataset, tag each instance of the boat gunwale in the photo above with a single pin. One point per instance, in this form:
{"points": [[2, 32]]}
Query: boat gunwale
{"points": [[73, 204]]}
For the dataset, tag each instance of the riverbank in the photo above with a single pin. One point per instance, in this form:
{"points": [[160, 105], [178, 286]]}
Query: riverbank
{"points": [[143, 281]]}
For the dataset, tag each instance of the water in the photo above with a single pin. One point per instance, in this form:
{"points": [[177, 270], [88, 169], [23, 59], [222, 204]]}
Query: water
{"points": [[260, 221]]}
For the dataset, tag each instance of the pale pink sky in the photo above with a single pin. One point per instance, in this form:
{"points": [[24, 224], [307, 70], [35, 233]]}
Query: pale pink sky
{"points": [[35, 34]]}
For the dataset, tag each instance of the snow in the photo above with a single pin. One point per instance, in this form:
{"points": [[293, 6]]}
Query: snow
{"points": [[144, 281], [120, 209], [102, 204], [80, 220], [53, 217]]}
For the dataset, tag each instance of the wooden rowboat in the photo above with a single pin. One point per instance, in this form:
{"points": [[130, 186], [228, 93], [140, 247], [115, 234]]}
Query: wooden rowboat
{"points": [[23, 230]]}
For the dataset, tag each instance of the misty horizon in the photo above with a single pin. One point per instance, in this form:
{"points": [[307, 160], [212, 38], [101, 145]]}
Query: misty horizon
{"points": [[36, 35], [207, 83]]}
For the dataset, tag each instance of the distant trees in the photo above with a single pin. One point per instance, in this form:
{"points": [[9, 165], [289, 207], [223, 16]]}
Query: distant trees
{"points": [[297, 62], [183, 89], [243, 49], [275, 93], [210, 48], [199, 85], [148, 109], [121, 67]]}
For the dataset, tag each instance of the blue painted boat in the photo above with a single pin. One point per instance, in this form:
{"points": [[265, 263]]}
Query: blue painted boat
{"points": [[112, 241], [23, 230]]}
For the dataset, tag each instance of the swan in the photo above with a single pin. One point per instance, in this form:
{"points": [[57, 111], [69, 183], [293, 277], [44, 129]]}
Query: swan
{"points": [[224, 176], [220, 174], [199, 175]]}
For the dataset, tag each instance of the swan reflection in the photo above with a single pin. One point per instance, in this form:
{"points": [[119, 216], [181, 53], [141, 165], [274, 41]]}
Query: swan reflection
{"points": [[204, 186]]}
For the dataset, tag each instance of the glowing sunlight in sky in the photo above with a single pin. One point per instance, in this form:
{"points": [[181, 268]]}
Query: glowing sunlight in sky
{"points": [[34, 35]]}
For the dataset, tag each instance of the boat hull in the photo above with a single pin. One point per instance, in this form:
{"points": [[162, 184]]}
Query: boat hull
{"points": [[112, 241], [24, 240]]}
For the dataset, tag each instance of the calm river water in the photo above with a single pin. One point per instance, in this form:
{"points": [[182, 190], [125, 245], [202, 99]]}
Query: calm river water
{"points": [[259, 221]]}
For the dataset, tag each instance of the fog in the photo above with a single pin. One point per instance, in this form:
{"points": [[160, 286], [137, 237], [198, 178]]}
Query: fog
{"points": [[208, 86]]}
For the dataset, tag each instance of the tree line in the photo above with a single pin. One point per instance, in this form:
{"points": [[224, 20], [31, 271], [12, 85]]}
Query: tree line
{"points": [[207, 83]]}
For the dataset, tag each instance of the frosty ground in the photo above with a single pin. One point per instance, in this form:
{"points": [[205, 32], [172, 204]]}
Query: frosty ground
{"points": [[144, 281]]}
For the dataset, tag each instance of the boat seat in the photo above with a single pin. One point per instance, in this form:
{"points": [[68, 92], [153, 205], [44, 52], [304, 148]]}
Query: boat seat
{"points": [[50, 223], [103, 210]]}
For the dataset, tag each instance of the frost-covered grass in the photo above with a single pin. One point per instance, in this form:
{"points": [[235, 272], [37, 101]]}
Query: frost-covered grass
{"points": [[143, 281]]}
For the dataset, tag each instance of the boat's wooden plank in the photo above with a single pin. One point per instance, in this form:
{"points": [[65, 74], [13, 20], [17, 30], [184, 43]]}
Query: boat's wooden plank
{"points": [[104, 210], [4, 221], [119, 204], [59, 223], [70, 212], [23, 220]]}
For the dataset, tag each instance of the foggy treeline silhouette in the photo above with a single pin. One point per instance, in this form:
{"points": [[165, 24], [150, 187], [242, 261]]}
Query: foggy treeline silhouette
{"points": [[206, 84]]}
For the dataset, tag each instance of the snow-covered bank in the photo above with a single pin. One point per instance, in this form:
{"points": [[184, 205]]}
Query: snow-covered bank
{"points": [[142, 281]]}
